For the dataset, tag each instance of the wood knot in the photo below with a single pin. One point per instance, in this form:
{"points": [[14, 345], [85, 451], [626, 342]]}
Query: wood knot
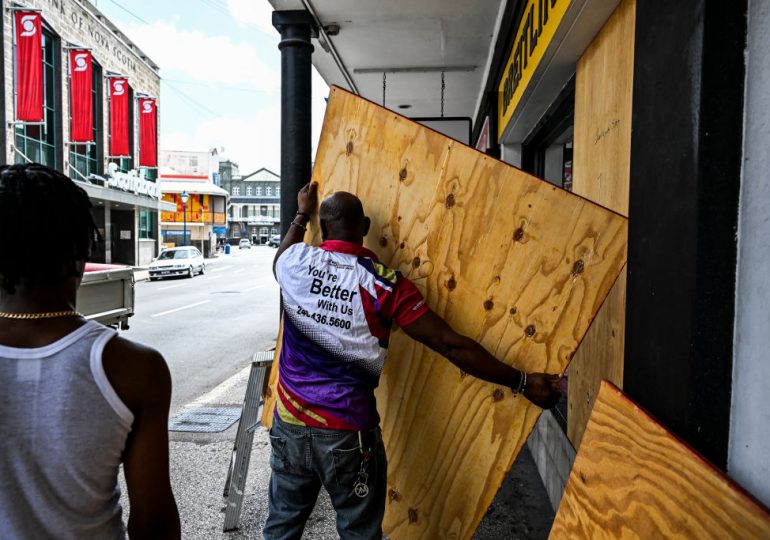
{"points": [[450, 200], [349, 148], [399, 218], [518, 234], [393, 495], [402, 174], [488, 305], [451, 284], [498, 395], [416, 262], [403, 245], [578, 268], [383, 241], [529, 331], [412, 515], [513, 310]]}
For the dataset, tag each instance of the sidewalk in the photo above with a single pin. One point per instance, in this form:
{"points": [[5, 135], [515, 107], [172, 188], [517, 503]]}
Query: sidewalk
{"points": [[199, 464]]}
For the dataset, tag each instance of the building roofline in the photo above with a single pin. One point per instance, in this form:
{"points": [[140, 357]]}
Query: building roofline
{"points": [[118, 34]]}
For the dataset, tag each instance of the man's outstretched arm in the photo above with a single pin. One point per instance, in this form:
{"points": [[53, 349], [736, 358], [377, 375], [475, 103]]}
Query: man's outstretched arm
{"points": [[433, 331], [307, 204]]}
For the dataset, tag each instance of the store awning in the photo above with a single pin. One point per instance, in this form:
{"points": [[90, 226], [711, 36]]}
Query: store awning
{"points": [[193, 188]]}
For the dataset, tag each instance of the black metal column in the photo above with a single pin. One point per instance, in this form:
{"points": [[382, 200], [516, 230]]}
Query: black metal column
{"points": [[686, 153], [296, 28]]}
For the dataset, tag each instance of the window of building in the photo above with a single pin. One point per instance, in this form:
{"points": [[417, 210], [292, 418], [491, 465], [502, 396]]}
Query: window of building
{"points": [[277, 191], [236, 191], [86, 159], [146, 224], [269, 191], [259, 191], [37, 142], [248, 191], [126, 163], [244, 211], [263, 210]]}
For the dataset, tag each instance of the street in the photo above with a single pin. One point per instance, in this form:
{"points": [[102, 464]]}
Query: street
{"points": [[209, 326]]}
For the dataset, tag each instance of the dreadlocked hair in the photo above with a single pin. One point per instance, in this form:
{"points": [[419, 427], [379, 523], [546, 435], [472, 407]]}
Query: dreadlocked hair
{"points": [[31, 195]]}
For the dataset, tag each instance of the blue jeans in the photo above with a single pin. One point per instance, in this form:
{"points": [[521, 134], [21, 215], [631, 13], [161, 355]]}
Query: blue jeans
{"points": [[303, 459]]}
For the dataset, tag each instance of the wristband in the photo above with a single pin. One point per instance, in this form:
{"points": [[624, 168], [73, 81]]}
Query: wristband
{"points": [[300, 225], [522, 383]]}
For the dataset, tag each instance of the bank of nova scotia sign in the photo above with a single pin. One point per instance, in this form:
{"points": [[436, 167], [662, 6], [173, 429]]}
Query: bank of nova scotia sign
{"points": [[131, 182]]}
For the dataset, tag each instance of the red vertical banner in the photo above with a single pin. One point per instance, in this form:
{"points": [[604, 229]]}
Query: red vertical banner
{"points": [[29, 66], [81, 97], [148, 132], [119, 120]]}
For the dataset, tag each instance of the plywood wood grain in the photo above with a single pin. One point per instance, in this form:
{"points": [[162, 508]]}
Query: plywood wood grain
{"points": [[634, 479], [602, 155], [512, 261]]}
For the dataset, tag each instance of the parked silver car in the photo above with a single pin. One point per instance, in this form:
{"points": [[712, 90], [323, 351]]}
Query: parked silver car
{"points": [[178, 261]]}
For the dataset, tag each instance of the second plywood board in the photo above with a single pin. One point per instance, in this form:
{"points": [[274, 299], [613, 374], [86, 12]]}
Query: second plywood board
{"points": [[634, 479], [512, 261]]}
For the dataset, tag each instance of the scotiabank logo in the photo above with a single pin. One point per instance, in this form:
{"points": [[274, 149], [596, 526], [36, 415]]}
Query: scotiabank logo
{"points": [[147, 107], [28, 26], [118, 88], [80, 62]]}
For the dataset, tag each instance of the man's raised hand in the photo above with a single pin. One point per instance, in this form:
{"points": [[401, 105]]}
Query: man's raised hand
{"points": [[307, 199]]}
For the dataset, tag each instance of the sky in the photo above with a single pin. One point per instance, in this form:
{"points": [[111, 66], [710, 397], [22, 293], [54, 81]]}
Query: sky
{"points": [[220, 71]]}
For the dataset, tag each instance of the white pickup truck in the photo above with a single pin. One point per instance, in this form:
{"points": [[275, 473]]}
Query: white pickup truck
{"points": [[106, 294]]}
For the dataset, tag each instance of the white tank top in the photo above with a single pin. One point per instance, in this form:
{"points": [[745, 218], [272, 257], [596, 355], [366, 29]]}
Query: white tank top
{"points": [[62, 435]]}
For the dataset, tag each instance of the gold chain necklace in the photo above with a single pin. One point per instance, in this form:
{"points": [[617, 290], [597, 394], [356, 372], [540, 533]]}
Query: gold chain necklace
{"points": [[44, 315]]}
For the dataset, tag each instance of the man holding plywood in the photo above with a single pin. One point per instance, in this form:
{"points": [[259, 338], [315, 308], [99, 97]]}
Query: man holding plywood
{"points": [[339, 304]]}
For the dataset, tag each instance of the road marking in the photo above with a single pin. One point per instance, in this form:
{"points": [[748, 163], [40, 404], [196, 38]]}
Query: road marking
{"points": [[162, 313], [172, 287], [209, 278], [252, 288], [220, 268], [239, 271]]}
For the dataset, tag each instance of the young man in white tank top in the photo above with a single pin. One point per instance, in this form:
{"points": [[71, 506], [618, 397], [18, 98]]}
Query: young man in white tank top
{"points": [[77, 400]]}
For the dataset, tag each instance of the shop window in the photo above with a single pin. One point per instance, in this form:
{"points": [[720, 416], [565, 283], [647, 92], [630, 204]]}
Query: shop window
{"points": [[146, 224], [86, 159], [126, 163], [236, 191], [248, 191], [547, 152], [37, 142], [259, 191]]}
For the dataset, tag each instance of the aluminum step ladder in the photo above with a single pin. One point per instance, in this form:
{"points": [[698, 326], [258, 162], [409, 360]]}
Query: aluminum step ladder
{"points": [[250, 419]]}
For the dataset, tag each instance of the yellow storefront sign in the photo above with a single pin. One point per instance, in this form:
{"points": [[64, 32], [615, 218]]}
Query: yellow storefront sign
{"points": [[536, 30]]}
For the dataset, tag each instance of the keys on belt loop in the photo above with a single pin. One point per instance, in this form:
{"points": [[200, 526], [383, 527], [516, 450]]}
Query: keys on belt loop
{"points": [[360, 488]]}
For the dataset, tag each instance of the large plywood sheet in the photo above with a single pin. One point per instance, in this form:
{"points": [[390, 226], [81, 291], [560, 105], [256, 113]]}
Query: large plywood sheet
{"points": [[634, 479], [507, 259], [602, 167]]}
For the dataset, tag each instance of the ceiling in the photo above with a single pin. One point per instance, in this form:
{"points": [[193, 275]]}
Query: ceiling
{"points": [[433, 34]]}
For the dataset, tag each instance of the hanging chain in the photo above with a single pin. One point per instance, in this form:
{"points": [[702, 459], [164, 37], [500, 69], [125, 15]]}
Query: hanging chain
{"points": [[384, 84], [443, 88]]}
